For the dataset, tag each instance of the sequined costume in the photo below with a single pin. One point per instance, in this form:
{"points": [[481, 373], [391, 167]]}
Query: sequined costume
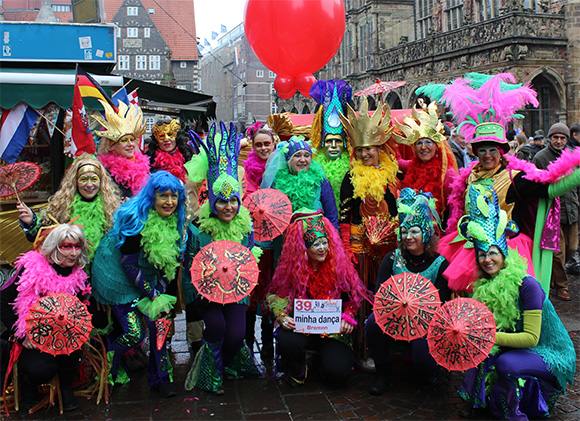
{"points": [[134, 272], [223, 349], [533, 358]]}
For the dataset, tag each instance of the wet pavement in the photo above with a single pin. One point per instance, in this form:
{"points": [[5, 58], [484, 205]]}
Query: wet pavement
{"points": [[273, 399]]}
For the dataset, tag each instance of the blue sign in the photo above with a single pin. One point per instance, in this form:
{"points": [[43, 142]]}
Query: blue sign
{"points": [[74, 42]]}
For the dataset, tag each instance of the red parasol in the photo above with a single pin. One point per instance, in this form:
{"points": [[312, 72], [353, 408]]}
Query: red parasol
{"points": [[224, 272], [461, 334], [58, 324], [405, 304], [380, 231], [17, 177], [379, 87], [162, 326], [271, 211]]}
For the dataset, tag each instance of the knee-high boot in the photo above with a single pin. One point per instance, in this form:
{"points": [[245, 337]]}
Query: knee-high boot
{"points": [[207, 371]]}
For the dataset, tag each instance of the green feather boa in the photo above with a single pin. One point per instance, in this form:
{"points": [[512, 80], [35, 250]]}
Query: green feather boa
{"points": [[501, 293], [235, 230], [335, 171], [300, 188], [160, 242], [91, 216]]}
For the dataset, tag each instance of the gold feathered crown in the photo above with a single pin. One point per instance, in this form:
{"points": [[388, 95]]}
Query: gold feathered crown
{"points": [[364, 130], [423, 123], [168, 130], [129, 120]]}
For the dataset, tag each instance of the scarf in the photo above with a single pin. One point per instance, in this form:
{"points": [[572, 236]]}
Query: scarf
{"points": [[321, 285], [335, 171], [371, 181], [426, 177], [501, 293], [234, 230], [91, 217], [130, 173], [160, 242], [254, 167], [300, 188], [172, 162], [38, 279]]}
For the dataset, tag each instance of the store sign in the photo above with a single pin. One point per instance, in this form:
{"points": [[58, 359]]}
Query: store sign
{"points": [[317, 316]]}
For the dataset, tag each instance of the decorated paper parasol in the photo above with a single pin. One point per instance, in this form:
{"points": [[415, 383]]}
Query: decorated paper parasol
{"points": [[405, 304], [17, 177], [271, 211], [224, 272], [380, 232], [58, 324], [379, 87], [461, 334], [162, 326]]}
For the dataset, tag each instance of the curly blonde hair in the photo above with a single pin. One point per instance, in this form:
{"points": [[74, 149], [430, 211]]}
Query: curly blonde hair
{"points": [[59, 203]]}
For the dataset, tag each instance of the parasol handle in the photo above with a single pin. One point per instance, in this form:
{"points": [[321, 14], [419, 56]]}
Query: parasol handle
{"points": [[16, 193]]}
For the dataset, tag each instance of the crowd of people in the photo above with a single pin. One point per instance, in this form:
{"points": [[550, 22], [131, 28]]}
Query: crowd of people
{"points": [[372, 197]]}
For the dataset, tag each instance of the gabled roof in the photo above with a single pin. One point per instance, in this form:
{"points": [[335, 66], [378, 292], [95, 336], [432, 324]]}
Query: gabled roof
{"points": [[172, 18]]}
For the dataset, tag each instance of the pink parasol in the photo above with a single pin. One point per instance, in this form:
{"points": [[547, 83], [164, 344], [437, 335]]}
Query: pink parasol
{"points": [[379, 87], [17, 177]]}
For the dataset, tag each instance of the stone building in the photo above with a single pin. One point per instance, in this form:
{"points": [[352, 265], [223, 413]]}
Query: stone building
{"points": [[240, 84], [537, 40]]}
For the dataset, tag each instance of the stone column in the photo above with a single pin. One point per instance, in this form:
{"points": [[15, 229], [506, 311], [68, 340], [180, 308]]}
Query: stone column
{"points": [[572, 75]]}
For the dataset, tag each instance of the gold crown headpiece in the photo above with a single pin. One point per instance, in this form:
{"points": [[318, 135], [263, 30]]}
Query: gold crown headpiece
{"points": [[364, 130], [129, 121], [422, 123], [164, 131]]}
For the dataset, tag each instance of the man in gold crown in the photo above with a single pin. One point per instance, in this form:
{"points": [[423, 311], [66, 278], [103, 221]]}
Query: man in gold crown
{"points": [[367, 199], [118, 149]]}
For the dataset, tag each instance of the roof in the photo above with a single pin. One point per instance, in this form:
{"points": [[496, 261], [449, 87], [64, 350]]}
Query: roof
{"points": [[175, 20], [27, 10]]}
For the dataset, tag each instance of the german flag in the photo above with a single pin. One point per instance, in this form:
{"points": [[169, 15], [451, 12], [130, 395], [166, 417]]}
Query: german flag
{"points": [[89, 87]]}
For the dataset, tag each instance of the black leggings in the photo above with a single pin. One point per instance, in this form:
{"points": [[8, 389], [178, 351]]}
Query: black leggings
{"points": [[40, 367], [335, 356]]}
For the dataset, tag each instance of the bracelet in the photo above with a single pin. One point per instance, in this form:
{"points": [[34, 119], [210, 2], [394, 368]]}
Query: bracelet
{"points": [[349, 319]]}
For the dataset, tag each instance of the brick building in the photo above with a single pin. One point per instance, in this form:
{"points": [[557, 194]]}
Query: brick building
{"points": [[538, 41], [27, 10]]}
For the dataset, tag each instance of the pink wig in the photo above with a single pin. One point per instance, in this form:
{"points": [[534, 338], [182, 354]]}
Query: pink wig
{"points": [[293, 274]]}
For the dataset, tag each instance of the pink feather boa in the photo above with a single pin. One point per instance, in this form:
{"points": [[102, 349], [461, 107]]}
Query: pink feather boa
{"points": [[171, 162], [132, 174], [563, 166], [254, 167], [39, 279]]}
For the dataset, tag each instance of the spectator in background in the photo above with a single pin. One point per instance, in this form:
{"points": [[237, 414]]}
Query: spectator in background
{"points": [[573, 267], [538, 144], [559, 135], [459, 148], [523, 151]]}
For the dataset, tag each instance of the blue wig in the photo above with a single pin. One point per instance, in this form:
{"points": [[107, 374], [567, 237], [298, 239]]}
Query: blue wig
{"points": [[132, 215]]}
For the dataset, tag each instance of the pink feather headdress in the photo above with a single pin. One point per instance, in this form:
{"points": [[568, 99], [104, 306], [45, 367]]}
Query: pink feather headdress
{"points": [[488, 104]]}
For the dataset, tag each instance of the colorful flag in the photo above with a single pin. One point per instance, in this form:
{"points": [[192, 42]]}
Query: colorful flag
{"points": [[133, 97], [206, 43], [224, 29], [89, 87], [15, 130], [214, 35], [81, 132], [121, 95]]}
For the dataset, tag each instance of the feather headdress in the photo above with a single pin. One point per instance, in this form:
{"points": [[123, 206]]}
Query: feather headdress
{"points": [[128, 121]]}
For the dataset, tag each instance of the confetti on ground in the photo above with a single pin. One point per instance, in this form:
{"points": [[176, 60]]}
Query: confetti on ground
{"points": [[188, 399], [188, 411], [203, 410]]}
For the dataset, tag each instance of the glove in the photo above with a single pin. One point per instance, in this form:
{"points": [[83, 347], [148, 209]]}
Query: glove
{"points": [[564, 185], [345, 236], [154, 308], [130, 264], [529, 338]]}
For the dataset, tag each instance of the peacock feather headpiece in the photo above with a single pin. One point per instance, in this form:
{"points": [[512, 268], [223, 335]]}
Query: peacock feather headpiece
{"points": [[222, 150], [422, 123], [481, 114], [418, 210], [486, 224], [333, 97], [364, 130], [128, 121]]}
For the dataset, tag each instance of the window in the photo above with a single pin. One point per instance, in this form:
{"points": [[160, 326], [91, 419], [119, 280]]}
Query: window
{"points": [[61, 7], [154, 62], [149, 122], [124, 63], [259, 73], [184, 87], [151, 11], [424, 11], [183, 64], [118, 32], [132, 32], [272, 74], [146, 32], [454, 14], [132, 11], [141, 63]]}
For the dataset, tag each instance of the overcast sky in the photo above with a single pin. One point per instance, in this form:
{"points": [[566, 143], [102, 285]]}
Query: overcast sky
{"points": [[211, 14]]}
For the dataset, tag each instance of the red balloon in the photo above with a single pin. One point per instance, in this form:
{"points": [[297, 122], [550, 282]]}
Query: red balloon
{"points": [[294, 38]]}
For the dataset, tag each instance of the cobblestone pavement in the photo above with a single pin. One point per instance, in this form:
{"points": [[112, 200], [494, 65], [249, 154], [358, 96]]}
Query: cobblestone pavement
{"points": [[271, 399]]}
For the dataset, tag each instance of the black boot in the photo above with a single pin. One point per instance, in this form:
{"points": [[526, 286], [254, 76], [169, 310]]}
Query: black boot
{"points": [[167, 390], [28, 393], [382, 380], [69, 401]]}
